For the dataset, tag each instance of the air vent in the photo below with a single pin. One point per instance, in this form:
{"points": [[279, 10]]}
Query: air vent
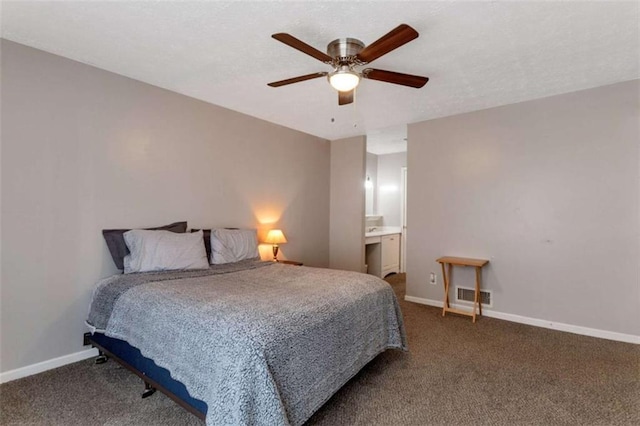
{"points": [[466, 294]]}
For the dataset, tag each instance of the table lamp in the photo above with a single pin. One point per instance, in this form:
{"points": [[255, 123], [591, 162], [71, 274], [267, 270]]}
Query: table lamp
{"points": [[275, 237]]}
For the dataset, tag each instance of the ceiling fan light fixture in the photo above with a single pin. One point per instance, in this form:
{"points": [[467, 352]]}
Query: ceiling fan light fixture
{"points": [[344, 79], [347, 54]]}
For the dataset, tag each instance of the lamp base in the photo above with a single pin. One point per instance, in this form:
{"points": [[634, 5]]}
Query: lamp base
{"points": [[275, 252]]}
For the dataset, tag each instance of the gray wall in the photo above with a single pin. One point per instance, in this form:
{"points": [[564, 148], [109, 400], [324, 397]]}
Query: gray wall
{"points": [[84, 149], [548, 190], [348, 164], [389, 187]]}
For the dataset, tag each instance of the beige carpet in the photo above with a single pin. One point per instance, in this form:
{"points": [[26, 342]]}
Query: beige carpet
{"points": [[492, 372]]}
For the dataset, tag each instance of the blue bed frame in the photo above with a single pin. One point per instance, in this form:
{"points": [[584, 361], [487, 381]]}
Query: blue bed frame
{"points": [[153, 376]]}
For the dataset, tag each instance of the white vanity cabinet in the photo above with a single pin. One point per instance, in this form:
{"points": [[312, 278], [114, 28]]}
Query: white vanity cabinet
{"points": [[382, 253], [390, 254]]}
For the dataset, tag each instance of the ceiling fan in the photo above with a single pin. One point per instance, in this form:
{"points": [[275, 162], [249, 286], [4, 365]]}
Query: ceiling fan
{"points": [[346, 54]]}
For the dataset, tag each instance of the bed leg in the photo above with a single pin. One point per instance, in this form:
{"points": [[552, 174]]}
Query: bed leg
{"points": [[101, 358], [148, 390]]}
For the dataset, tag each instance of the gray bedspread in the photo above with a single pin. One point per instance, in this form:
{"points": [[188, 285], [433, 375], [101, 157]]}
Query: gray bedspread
{"points": [[260, 343]]}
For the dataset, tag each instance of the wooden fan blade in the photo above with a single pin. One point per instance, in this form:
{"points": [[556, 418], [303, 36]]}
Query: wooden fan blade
{"points": [[290, 40], [395, 77], [400, 35], [345, 98], [297, 79]]}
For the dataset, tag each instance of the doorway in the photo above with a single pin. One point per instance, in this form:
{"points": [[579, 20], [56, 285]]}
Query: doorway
{"points": [[385, 183]]}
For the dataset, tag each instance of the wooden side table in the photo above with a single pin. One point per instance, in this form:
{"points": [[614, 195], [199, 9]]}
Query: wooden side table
{"points": [[290, 262], [446, 277]]}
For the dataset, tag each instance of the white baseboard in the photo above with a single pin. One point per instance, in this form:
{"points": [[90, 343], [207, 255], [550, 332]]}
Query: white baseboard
{"points": [[576, 329], [50, 364]]}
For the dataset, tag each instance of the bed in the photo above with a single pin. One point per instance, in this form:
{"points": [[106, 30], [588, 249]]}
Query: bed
{"points": [[247, 342]]}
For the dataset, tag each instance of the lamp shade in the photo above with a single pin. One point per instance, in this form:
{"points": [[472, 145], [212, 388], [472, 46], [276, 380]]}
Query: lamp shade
{"points": [[275, 236]]}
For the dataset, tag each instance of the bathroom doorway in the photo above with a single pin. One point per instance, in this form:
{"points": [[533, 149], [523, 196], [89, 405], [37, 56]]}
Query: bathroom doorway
{"points": [[385, 186]]}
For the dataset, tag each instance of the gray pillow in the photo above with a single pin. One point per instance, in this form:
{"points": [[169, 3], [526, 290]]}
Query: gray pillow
{"points": [[117, 247]]}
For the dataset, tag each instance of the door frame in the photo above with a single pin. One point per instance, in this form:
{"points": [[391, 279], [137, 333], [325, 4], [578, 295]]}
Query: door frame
{"points": [[403, 218]]}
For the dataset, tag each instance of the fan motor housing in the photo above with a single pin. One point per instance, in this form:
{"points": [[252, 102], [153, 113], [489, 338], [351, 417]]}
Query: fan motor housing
{"points": [[344, 47]]}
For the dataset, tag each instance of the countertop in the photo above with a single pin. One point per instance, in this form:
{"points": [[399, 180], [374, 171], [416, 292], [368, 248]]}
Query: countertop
{"points": [[383, 230]]}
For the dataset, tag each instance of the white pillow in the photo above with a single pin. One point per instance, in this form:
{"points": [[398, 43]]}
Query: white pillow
{"points": [[233, 245], [164, 251]]}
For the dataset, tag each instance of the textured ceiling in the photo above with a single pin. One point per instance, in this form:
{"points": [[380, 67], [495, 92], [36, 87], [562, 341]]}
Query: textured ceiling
{"points": [[477, 54], [387, 141]]}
